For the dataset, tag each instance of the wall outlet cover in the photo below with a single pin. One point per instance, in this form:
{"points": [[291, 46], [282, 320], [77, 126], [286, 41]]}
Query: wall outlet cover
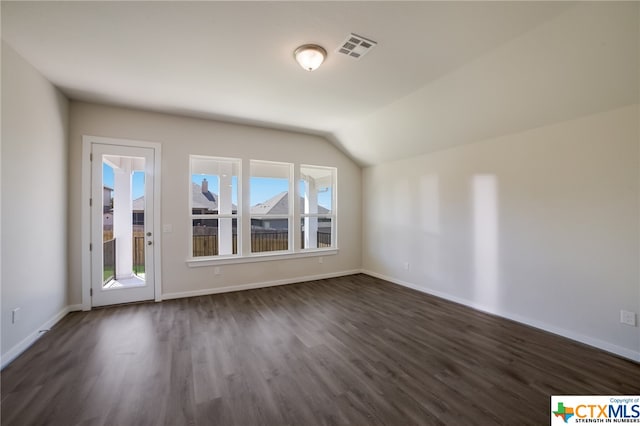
{"points": [[628, 318]]}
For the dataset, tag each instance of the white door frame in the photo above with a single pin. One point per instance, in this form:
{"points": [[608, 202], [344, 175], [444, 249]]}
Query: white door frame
{"points": [[87, 141]]}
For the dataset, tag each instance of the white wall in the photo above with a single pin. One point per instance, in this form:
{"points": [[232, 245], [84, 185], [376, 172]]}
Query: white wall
{"points": [[182, 136], [34, 203], [540, 226]]}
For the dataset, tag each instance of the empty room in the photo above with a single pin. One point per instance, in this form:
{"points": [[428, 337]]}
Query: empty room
{"points": [[320, 213]]}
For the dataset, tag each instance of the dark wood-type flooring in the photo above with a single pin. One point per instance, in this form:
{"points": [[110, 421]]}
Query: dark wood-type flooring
{"points": [[351, 350]]}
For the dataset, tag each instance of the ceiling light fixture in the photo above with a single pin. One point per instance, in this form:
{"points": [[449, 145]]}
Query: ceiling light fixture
{"points": [[310, 56]]}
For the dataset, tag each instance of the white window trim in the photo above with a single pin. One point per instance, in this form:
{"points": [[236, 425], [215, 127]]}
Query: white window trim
{"points": [[237, 215], [290, 216], [244, 220], [334, 206]]}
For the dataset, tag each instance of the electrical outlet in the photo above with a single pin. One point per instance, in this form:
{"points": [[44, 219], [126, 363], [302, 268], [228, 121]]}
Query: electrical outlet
{"points": [[628, 318], [15, 315], [321, 260], [406, 266], [216, 270]]}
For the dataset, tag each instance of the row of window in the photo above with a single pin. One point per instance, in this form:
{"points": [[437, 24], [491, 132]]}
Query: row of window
{"points": [[221, 214]]}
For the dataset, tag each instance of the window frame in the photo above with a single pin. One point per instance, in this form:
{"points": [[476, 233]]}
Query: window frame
{"points": [[237, 216], [289, 216], [244, 216], [332, 215]]}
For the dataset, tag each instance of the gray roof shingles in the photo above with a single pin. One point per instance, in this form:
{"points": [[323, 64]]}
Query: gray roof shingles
{"points": [[279, 204]]}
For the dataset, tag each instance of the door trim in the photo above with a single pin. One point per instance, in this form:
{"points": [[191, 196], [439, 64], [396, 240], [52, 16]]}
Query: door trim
{"points": [[85, 220]]}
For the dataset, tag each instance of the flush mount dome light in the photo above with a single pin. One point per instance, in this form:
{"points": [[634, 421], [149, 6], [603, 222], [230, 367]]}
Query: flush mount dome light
{"points": [[310, 56]]}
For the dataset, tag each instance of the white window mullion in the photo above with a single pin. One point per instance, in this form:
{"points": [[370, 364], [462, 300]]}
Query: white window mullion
{"points": [[225, 231], [334, 208], [190, 208], [294, 220], [246, 209]]}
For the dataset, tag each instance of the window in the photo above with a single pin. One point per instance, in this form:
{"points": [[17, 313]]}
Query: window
{"points": [[317, 211], [244, 210], [214, 211], [271, 207]]}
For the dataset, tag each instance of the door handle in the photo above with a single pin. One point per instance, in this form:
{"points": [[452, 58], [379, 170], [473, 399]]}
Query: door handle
{"points": [[148, 234], [149, 243]]}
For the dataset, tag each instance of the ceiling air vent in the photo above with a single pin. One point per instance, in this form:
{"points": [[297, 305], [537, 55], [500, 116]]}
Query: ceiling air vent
{"points": [[356, 46]]}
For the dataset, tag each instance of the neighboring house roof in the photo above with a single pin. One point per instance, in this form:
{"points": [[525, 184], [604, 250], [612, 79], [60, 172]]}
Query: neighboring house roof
{"points": [[138, 204], [280, 205], [208, 200]]}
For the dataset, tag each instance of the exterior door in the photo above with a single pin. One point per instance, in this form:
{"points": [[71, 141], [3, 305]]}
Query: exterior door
{"points": [[122, 256]]}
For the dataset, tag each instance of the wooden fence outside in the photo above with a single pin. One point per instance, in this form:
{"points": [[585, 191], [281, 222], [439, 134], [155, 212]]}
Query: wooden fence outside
{"points": [[207, 245], [138, 250]]}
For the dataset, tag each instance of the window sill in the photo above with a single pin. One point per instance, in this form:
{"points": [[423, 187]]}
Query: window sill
{"points": [[259, 257]]}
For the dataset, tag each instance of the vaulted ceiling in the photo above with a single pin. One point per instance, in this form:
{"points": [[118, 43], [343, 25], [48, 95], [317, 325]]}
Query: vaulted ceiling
{"points": [[442, 74]]}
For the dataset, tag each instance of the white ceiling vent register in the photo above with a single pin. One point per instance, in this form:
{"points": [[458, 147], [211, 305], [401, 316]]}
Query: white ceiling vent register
{"points": [[356, 46]]}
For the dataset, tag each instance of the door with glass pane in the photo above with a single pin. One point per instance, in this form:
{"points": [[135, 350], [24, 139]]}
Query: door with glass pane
{"points": [[122, 182]]}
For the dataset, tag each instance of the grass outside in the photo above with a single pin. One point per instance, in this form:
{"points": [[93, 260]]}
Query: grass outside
{"points": [[138, 269], [107, 274]]}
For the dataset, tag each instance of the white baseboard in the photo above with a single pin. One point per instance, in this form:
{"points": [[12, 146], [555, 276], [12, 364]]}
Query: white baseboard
{"points": [[75, 308], [216, 290], [587, 340], [15, 351]]}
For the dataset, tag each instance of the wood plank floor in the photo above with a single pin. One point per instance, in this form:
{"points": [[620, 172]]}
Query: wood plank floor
{"points": [[351, 350]]}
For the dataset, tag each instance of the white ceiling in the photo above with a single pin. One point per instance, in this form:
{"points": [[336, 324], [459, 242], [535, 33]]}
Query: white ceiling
{"points": [[443, 73]]}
